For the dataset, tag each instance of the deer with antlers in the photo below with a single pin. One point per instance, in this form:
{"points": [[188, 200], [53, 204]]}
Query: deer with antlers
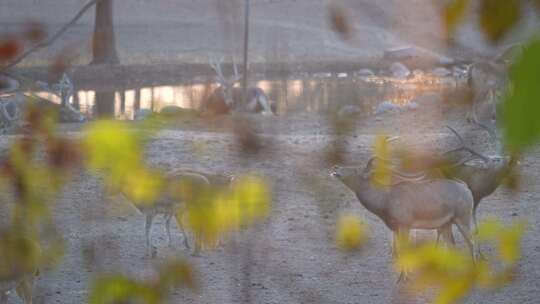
{"points": [[422, 204], [487, 80], [228, 98], [482, 178]]}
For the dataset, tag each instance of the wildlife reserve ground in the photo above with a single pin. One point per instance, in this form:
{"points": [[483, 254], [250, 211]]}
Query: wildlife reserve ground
{"points": [[293, 254], [291, 257]]}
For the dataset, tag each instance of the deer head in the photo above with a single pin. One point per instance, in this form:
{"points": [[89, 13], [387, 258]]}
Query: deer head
{"points": [[226, 84]]}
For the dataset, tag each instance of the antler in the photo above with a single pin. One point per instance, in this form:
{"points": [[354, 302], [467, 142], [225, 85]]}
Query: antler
{"points": [[237, 76], [215, 64], [465, 147]]}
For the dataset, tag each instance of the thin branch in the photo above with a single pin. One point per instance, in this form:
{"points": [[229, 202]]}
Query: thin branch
{"points": [[246, 49], [53, 38]]}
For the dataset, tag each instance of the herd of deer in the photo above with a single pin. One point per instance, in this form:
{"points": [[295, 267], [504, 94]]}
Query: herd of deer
{"points": [[229, 98], [446, 192], [436, 198]]}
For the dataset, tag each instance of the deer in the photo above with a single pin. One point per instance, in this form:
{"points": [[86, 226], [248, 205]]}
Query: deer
{"points": [[64, 89], [482, 181], [487, 80], [425, 204], [227, 98], [172, 202]]}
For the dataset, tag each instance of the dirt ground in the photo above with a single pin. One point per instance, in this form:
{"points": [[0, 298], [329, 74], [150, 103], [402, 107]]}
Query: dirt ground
{"points": [[290, 258]]}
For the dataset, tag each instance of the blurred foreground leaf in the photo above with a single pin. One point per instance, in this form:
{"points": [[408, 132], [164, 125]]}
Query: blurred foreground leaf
{"points": [[452, 272], [18, 255], [9, 48], [453, 13], [507, 239], [351, 233], [339, 22], [214, 212], [497, 17], [520, 110], [111, 146], [123, 289], [381, 170]]}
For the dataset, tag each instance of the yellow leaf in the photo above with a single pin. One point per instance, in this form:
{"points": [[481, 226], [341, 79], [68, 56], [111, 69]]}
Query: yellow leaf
{"points": [[228, 213], [509, 246], [111, 146], [350, 232], [453, 13], [212, 212], [381, 170], [143, 186], [253, 198], [453, 291], [497, 17], [489, 229]]}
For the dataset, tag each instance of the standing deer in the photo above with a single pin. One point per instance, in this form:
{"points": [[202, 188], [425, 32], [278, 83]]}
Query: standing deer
{"points": [[431, 204], [482, 181], [171, 201], [228, 98], [487, 80]]}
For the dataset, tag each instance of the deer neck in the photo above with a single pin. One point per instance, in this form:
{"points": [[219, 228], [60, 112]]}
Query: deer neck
{"points": [[371, 196]]}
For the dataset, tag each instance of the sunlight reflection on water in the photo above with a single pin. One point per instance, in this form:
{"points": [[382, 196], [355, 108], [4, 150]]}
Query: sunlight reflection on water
{"points": [[292, 95]]}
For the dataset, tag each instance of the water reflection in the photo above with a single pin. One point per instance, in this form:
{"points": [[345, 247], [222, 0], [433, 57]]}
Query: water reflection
{"points": [[315, 94]]}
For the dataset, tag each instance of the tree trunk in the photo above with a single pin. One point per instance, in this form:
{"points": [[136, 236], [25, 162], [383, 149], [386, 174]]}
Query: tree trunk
{"points": [[137, 103], [104, 107], [103, 42]]}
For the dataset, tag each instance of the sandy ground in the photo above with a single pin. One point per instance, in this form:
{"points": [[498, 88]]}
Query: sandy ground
{"points": [[293, 256]]}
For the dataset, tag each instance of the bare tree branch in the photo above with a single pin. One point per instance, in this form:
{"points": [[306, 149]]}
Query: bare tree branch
{"points": [[53, 38]]}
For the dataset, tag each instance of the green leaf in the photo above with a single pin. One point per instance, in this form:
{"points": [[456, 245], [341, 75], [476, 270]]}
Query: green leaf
{"points": [[497, 17], [520, 110]]}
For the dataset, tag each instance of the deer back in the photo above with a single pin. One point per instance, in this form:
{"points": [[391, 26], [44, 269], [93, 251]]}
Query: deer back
{"points": [[428, 205]]}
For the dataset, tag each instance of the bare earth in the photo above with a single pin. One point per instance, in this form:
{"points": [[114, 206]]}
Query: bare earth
{"points": [[292, 256]]}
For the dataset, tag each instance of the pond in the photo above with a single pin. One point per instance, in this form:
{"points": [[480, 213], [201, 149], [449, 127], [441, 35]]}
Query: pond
{"points": [[316, 93]]}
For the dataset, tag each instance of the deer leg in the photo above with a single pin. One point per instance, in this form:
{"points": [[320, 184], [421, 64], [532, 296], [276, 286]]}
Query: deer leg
{"points": [[263, 101], [168, 228], [398, 234], [475, 222], [197, 250], [447, 235], [182, 230], [465, 231], [24, 290], [148, 230]]}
